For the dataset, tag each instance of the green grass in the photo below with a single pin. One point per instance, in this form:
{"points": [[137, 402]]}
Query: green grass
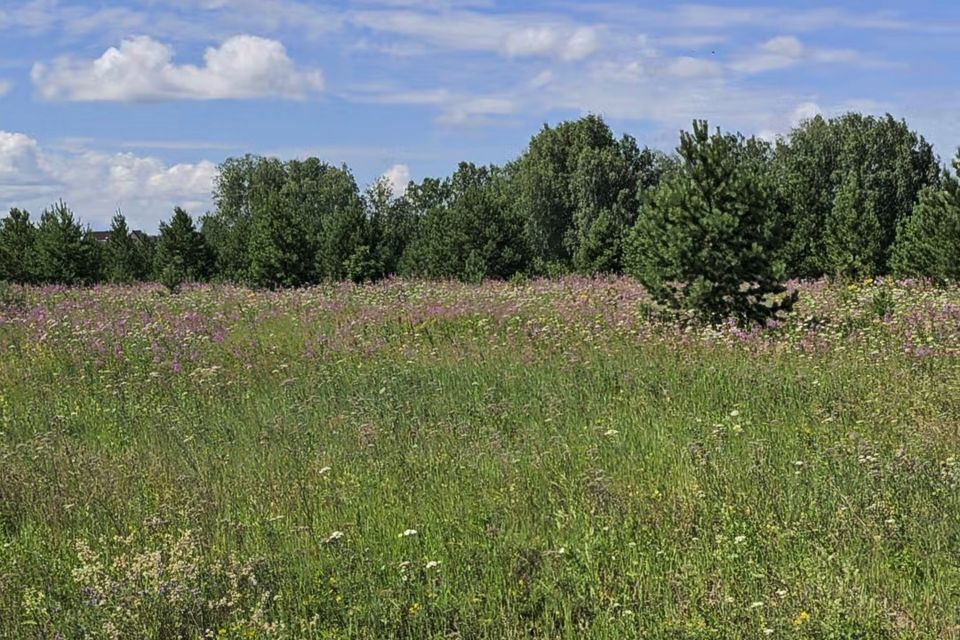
{"points": [[586, 481]]}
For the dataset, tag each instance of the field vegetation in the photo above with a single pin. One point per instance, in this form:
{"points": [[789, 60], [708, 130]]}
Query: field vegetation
{"points": [[535, 459]]}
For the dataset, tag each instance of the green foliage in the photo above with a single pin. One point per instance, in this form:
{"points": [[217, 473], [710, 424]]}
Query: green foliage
{"points": [[393, 223], [576, 189], [363, 265], [893, 165], [853, 238], [883, 303], [287, 223], [65, 253], [704, 241], [238, 192], [123, 257], [468, 230], [17, 239], [840, 192], [182, 254], [172, 276], [12, 296], [928, 242], [343, 226]]}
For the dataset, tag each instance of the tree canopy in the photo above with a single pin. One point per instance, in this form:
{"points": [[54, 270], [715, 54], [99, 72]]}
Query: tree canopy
{"points": [[716, 226]]}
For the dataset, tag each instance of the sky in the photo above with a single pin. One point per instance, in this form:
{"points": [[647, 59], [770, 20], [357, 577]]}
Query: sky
{"points": [[131, 105]]}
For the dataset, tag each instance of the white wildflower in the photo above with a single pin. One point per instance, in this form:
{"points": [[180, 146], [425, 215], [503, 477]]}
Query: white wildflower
{"points": [[408, 533], [334, 536]]}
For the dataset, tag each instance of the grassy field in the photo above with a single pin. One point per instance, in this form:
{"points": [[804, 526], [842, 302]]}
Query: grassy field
{"points": [[413, 460]]}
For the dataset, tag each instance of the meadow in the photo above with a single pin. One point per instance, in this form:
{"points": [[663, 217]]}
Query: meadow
{"points": [[543, 459]]}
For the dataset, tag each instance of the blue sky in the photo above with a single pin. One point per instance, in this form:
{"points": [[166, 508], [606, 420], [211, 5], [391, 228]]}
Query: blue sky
{"points": [[133, 104]]}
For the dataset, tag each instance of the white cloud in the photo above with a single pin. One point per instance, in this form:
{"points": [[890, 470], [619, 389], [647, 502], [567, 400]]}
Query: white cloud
{"points": [[398, 177], [782, 52], [95, 184], [717, 16], [688, 67], [456, 109], [476, 110], [581, 44], [804, 111], [142, 69], [5, 87], [513, 36], [19, 159]]}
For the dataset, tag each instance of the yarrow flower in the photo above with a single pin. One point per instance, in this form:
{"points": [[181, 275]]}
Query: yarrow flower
{"points": [[334, 536]]}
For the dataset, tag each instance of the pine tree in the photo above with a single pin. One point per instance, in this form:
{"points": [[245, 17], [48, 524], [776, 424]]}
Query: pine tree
{"points": [[65, 252], [853, 237], [928, 242], [704, 241], [122, 259], [17, 239], [182, 254]]}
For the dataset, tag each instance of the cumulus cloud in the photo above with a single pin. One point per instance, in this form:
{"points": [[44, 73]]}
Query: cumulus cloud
{"points": [[142, 69], [95, 183], [19, 159], [803, 112], [398, 177]]}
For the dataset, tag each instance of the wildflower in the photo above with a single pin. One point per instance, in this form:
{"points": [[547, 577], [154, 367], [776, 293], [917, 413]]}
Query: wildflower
{"points": [[802, 617], [739, 539], [433, 564], [407, 533], [333, 537]]}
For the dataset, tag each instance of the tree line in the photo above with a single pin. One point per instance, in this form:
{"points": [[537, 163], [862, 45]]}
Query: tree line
{"points": [[849, 197]]}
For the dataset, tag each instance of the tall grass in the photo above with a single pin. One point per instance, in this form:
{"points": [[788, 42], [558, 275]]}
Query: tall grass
{"points": [[438, 460]]}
